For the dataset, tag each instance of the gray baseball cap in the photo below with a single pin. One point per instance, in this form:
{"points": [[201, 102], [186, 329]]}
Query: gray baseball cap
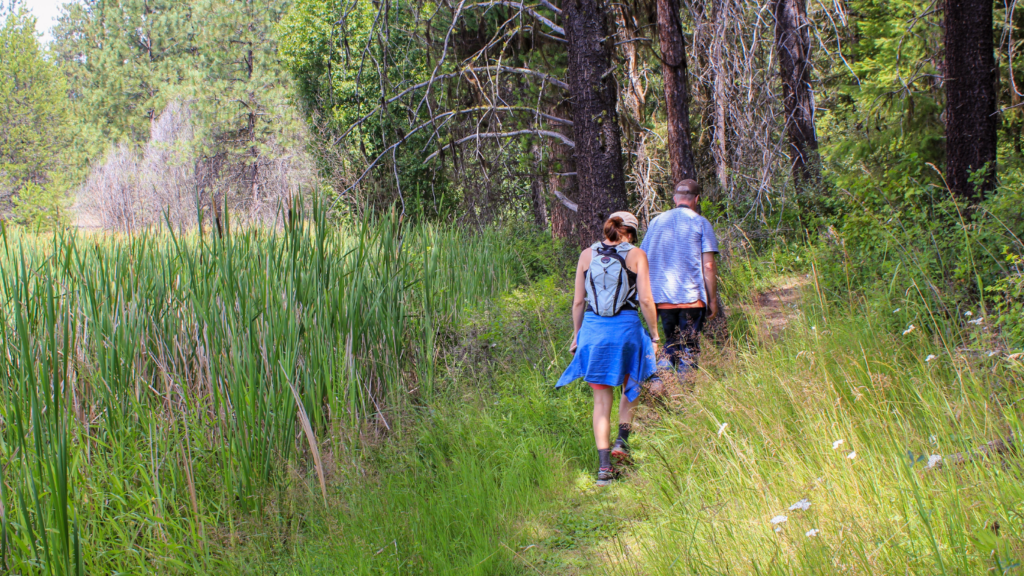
{"points": [[628, 219]]}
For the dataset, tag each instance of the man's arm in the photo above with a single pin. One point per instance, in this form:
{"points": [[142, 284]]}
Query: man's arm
{"points": [[711, 282]]}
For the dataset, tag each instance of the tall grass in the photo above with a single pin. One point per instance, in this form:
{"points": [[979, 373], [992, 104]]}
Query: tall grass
{"points": [[853, 417], [158, 388], [865, 406]]}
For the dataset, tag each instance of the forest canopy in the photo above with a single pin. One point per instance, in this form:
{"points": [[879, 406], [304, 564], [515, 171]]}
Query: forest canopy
{"points": [[791, 114]]}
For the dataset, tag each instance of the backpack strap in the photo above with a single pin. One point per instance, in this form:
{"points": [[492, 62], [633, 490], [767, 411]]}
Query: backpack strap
{"points": [[596, 251]]}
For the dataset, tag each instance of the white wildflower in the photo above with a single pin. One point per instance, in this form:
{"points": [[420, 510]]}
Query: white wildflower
{"points": [[968, 313], [851, 455], [909, 329], [815, 328], [778, 529], [811, 533], [803, 504], [930, 358], [779, 519], [722, 428], [934, 460], [976, 321], [837, 444], [897, 310], [992, 353]]}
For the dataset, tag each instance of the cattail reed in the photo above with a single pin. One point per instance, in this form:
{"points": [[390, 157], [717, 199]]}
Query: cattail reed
{"points": [[155, 383]]}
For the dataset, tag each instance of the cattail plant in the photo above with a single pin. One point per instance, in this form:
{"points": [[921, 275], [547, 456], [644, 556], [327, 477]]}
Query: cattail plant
{"points": [[154, 385]]}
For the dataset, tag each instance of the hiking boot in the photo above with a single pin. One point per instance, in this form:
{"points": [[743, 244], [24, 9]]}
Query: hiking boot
{"points": [[605, 475], [620, 453], [666, 365]]}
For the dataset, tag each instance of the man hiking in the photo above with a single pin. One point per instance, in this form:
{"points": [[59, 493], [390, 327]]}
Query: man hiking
{"points": [[681, 247]]}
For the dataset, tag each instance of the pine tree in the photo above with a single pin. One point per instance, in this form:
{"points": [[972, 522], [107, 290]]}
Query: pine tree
{"points": [[34, 132]]}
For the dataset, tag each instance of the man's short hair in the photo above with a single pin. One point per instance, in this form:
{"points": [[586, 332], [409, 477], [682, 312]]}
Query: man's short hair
{"points": [[686, 190]]}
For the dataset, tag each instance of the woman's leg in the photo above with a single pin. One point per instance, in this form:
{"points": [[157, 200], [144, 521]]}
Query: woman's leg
{"points": [[626, 410], [602, 416], [621, 450]]}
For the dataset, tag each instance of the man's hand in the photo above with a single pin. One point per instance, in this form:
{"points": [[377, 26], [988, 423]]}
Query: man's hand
{"points": [[713, 309]]}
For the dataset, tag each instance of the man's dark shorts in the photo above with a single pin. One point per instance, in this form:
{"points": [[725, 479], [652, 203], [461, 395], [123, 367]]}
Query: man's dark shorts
{"points": [[682, 328]]}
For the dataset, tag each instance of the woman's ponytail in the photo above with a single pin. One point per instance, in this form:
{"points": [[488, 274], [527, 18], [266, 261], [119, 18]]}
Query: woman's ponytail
{"points": [[615, 229]]}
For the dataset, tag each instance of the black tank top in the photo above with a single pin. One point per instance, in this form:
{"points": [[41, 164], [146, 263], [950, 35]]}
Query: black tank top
{"points": [[633, 303]]}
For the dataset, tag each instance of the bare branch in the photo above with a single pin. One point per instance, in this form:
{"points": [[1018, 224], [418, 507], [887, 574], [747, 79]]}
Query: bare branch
{"points": [[523, 71], [526, 72], [566, 202], [512, 134], [551, 7], [394, 146], [554, 27], [631, 40]]}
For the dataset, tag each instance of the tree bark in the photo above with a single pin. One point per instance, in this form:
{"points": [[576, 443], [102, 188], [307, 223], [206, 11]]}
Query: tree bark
{"points": [[792, 39], [600, 181], [721, 152], [537, 189], [634, 96], [677, 90], [971, 120]]}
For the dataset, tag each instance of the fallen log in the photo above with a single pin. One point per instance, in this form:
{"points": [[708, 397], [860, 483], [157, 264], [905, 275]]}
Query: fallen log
{"points": [[997, 447]]}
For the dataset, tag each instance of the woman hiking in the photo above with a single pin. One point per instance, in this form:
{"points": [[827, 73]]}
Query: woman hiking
{"points": [[610, 344]]}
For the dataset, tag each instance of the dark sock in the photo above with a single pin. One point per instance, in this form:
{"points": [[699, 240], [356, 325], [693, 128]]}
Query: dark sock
{"points": [[604, 457], [624, 430]]}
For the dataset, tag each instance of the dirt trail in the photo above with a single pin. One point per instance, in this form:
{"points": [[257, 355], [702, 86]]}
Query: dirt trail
{"points": [[589, 535], [777, 306]]}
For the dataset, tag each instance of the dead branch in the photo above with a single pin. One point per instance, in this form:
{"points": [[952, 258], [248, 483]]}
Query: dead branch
{"points": [[547, 78], [554, 27], [566, 202], [512, 134], [997, 447]]}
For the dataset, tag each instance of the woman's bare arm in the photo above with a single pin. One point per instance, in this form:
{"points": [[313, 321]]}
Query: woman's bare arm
{"points": [[579, 297]]}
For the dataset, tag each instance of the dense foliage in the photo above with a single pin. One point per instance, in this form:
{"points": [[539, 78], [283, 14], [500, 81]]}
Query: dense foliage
{"points": [[35, 126], [201, 83]]}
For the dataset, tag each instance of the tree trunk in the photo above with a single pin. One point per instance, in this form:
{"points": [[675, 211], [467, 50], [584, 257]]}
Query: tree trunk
{"points": [[721, 153], [634, 96], [677, 90], [971, 121], [537, 189], [794, 46], [598, 152]]}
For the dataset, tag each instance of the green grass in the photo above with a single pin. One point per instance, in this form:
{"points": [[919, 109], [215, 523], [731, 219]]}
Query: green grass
{"points": [[157, 392], [877, 506], [461, 491], [161, 393], [699, 501]]}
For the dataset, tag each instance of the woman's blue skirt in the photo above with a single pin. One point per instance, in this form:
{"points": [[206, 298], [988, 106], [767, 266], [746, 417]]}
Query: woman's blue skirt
{"points": [[611, 350]]}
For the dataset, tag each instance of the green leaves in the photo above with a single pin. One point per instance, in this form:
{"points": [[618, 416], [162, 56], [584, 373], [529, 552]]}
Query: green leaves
{"points": [[34, 125]]}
